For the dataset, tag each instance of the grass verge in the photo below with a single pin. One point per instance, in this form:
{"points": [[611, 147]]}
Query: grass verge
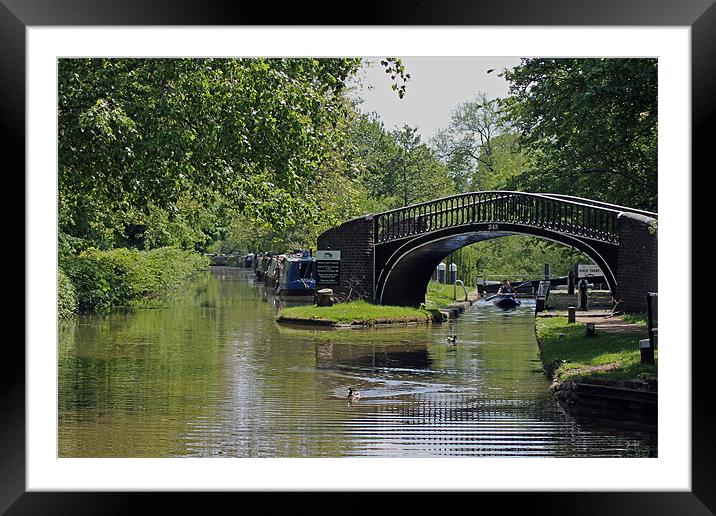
{"points": [[362, 313], [441, 296], [568, 354], [355, 313]]}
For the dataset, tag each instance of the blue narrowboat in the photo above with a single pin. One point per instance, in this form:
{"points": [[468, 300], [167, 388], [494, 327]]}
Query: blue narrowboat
{"points": [[296, 274]]}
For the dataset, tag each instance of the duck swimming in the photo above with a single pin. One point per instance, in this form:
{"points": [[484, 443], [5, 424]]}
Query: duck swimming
{"points": [[353, 395], [451, 339]]}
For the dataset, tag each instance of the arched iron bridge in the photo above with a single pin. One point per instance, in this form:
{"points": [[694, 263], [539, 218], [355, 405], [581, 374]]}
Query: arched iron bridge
{"points": [[409, 242]]}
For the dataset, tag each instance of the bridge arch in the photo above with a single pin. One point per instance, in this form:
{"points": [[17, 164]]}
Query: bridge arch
{"points": [[404, 277]]}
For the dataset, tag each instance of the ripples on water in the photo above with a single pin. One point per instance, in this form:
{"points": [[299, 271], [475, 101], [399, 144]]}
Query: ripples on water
{"points": [[211, 374]]}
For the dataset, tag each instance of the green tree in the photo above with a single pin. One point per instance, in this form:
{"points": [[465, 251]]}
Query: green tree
{"points": [[589, 127], [414, 173], [135, 133], [398, 169], [479, 146]]}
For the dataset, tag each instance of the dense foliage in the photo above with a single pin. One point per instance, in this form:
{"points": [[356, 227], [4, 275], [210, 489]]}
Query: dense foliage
{"points": [[66, 296], [479, 146], [137, 133], [396, 167], [104, 279], [589, 127]]}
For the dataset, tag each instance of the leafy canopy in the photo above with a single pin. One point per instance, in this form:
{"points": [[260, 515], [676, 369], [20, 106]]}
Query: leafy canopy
{"points": [[589, 127], [135, 133]]}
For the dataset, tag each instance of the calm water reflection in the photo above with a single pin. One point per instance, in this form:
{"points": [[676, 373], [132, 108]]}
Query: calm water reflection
{"points": [[209, 373]]}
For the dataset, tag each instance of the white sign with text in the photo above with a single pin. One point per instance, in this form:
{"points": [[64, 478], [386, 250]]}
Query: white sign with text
{"points": [[328, 255], [584, 271]]}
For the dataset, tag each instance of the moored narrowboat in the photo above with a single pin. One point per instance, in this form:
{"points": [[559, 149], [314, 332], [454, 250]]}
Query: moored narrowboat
{"points": [[262, 263], [296, 275], [272, 272]]}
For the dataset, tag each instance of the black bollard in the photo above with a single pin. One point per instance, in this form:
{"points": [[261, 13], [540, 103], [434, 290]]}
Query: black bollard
{"points": [[571, 315], [583, 295], [441, 272], [453, 273]]}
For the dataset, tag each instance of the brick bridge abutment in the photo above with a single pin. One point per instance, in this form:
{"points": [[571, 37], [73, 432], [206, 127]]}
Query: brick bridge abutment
{"points": [[637, 261]]}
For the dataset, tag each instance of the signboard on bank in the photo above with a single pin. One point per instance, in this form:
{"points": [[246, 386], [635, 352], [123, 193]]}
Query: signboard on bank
{"points": [[328, 268], [584, 271], [328, 255]]}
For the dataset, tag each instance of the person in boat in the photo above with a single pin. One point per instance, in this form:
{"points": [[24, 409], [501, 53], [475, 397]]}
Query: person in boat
{"points": [[505, 288]]}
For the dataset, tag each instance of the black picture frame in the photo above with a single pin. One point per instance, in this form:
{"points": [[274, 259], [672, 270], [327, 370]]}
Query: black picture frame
{"points": [[17, 15]]}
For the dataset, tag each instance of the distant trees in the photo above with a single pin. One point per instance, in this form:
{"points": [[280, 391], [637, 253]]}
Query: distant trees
{"points": [[479, 146], [398, 169], [585, 127], [468, 141]]}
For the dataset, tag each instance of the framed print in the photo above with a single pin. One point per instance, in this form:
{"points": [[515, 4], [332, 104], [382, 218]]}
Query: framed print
{"points": [[55, 56]]}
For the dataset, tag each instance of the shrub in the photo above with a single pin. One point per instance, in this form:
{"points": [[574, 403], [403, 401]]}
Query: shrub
{"points": [[66, 296], [103, 279]]}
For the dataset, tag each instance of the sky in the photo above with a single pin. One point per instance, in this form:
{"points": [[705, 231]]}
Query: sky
{"points": [[436, 87]]}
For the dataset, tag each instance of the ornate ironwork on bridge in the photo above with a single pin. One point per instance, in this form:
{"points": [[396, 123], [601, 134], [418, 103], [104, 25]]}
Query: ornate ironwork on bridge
{"points": [[391, 256], [535, 210]]}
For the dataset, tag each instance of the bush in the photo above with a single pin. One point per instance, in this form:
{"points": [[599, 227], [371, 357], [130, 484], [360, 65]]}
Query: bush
{"points": [[66, 296], [103, 279]]}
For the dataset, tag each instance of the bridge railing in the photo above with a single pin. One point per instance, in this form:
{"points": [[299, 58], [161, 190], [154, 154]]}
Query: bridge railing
{"points": [[535, 210], [601, 204]]}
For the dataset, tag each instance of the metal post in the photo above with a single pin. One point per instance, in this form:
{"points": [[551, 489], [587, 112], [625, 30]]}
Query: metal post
{"points": [[647, 346]]}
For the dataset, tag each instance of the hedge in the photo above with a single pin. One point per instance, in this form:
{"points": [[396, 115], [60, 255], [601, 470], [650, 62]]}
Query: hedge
{"points": [[103, 279], [66, 296]]}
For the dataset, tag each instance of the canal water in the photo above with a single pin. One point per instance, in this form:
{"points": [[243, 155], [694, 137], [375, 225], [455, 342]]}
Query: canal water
{"points": [[208, 372]]}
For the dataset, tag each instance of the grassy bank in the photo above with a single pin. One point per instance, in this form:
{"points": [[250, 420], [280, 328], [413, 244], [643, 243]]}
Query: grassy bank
{"points": [[367, 314], [568, 354], [440, 296], [97, 280], [356, 313]]}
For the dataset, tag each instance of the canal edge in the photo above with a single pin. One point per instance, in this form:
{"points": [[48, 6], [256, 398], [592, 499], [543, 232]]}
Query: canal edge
{"points": [[602, 398], [439, 315]]}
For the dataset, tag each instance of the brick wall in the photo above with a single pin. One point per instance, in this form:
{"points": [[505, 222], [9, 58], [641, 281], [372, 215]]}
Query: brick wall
{"points": [[354, 239], [637, 263]]}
